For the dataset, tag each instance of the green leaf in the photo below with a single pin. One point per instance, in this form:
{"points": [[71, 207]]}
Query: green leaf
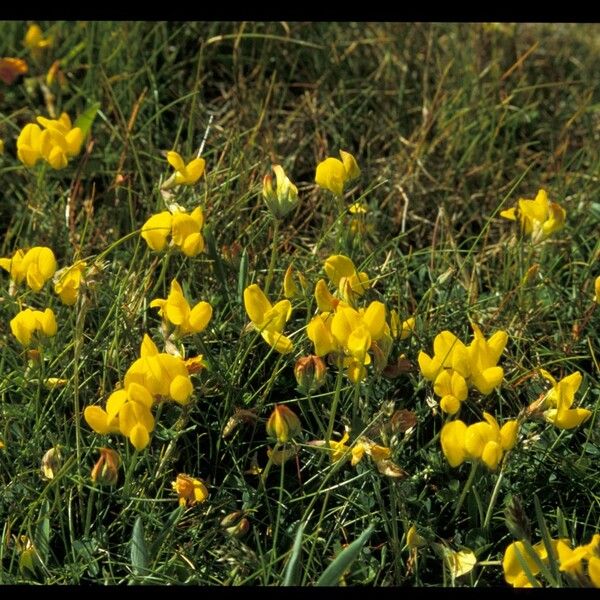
{"points": [[85, 119], [42, 533], [292, 569], [332, 574], [139, 550]]}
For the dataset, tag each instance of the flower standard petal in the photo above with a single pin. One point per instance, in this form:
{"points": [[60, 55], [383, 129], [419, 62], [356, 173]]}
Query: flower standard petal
{"points": [[452, 439], [156, 229]]}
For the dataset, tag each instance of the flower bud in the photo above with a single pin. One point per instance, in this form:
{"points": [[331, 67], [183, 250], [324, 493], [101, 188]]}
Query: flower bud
{"points": [[106, 470], [283, 424], [51, 463], [283, 198], [232, 518], [239, 530], [310, 373]]}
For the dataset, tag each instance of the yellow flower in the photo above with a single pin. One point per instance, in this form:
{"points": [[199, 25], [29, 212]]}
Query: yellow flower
{"points": [[58, 142], [514, 574], [483, 355], [184, 174], [539, 218], [68, 282], [176, 310], [106, 469], [343, 274], [28, 322], [448, 353], [190, 491], [319, 333], [413, 539], [186, 231], [398, 329], [11, 68], [156, 230], [51, 463], [284, 197], [161, 374], [484, 441], [35, 41], [332, 174], [339, 449], [559, 400], [290, 288], [36, 266], [268, 319], [597, 290], [283, 424]]}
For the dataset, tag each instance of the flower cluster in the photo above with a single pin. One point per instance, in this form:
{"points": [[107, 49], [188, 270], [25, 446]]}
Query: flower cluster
{"points": [[36, 266], [455, 366], [539, 218], [185, 230], [581, 564], [151, 378], [485, 441], [346, 333], [184, 174], [56, 143]]}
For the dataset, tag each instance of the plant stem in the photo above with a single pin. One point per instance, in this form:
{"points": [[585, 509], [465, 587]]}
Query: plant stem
{"points": [[466, 489], [274, 240], [336, 399]]}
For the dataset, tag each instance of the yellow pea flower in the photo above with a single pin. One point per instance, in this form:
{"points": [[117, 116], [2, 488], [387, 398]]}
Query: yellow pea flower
{"points": [[332, 173], [35, 41], [190, 491], [559, 400], [319, 333], [186, 231], [184, 174], [282, 199], [28, 322], [483, 355], [36, 266], [538, 218], [451, 387], [283, 424], [68, 281], [343, 274], [156, 230], [448, 353], [176, 310], [339, 449], [268, 319], [402, 329], [29, 145], [290, 288], [51, 463], [326, 302]]}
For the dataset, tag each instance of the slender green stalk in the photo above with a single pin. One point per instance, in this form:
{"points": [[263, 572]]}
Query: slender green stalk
{"points": [[466, 488], [274, 244]]}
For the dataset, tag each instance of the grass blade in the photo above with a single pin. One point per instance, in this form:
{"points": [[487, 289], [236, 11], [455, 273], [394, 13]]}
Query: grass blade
{"points": [[292, 569]]}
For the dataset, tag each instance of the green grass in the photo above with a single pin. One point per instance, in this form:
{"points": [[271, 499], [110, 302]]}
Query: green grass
{"points": [[450, 123]]}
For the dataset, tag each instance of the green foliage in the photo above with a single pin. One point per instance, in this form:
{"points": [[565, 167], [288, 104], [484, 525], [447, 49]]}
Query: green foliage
{"points": [[450, 124]]}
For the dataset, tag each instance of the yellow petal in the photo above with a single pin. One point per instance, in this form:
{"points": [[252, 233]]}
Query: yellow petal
{"points": [[350, 165], [156, 229], [97, 419], [175, 160], [200, 316], [139, 437], [452, 439], [181, 389], [594, 570], [278, 341], [331, 175], [195, 170], [508, 434], [256, 303]]}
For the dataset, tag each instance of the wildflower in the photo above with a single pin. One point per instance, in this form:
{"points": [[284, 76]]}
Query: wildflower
{"points": [[190, 491], [339, 449], [559, 400], [413, 539], [597, 290], [67, 282], [283, 424], [29, 322], [106, 469], [514, 574], [332, 174], [448, 353], [51, 463], [483, 355], [55, 144], [35, 41], [461, 562], [290, 288], [284, 197], [36, 266], [160, 374], [326, 302], [319, 333], [267, 318], [343, 274], [55, 382], [184, 174], [310, 372], [484, 441], [402, 329], [156, 230], [176, 310], [538, 218], [11, 68]]}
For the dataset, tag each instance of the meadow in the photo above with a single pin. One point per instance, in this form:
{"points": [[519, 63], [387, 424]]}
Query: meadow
{"points": [[300, 304]]}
